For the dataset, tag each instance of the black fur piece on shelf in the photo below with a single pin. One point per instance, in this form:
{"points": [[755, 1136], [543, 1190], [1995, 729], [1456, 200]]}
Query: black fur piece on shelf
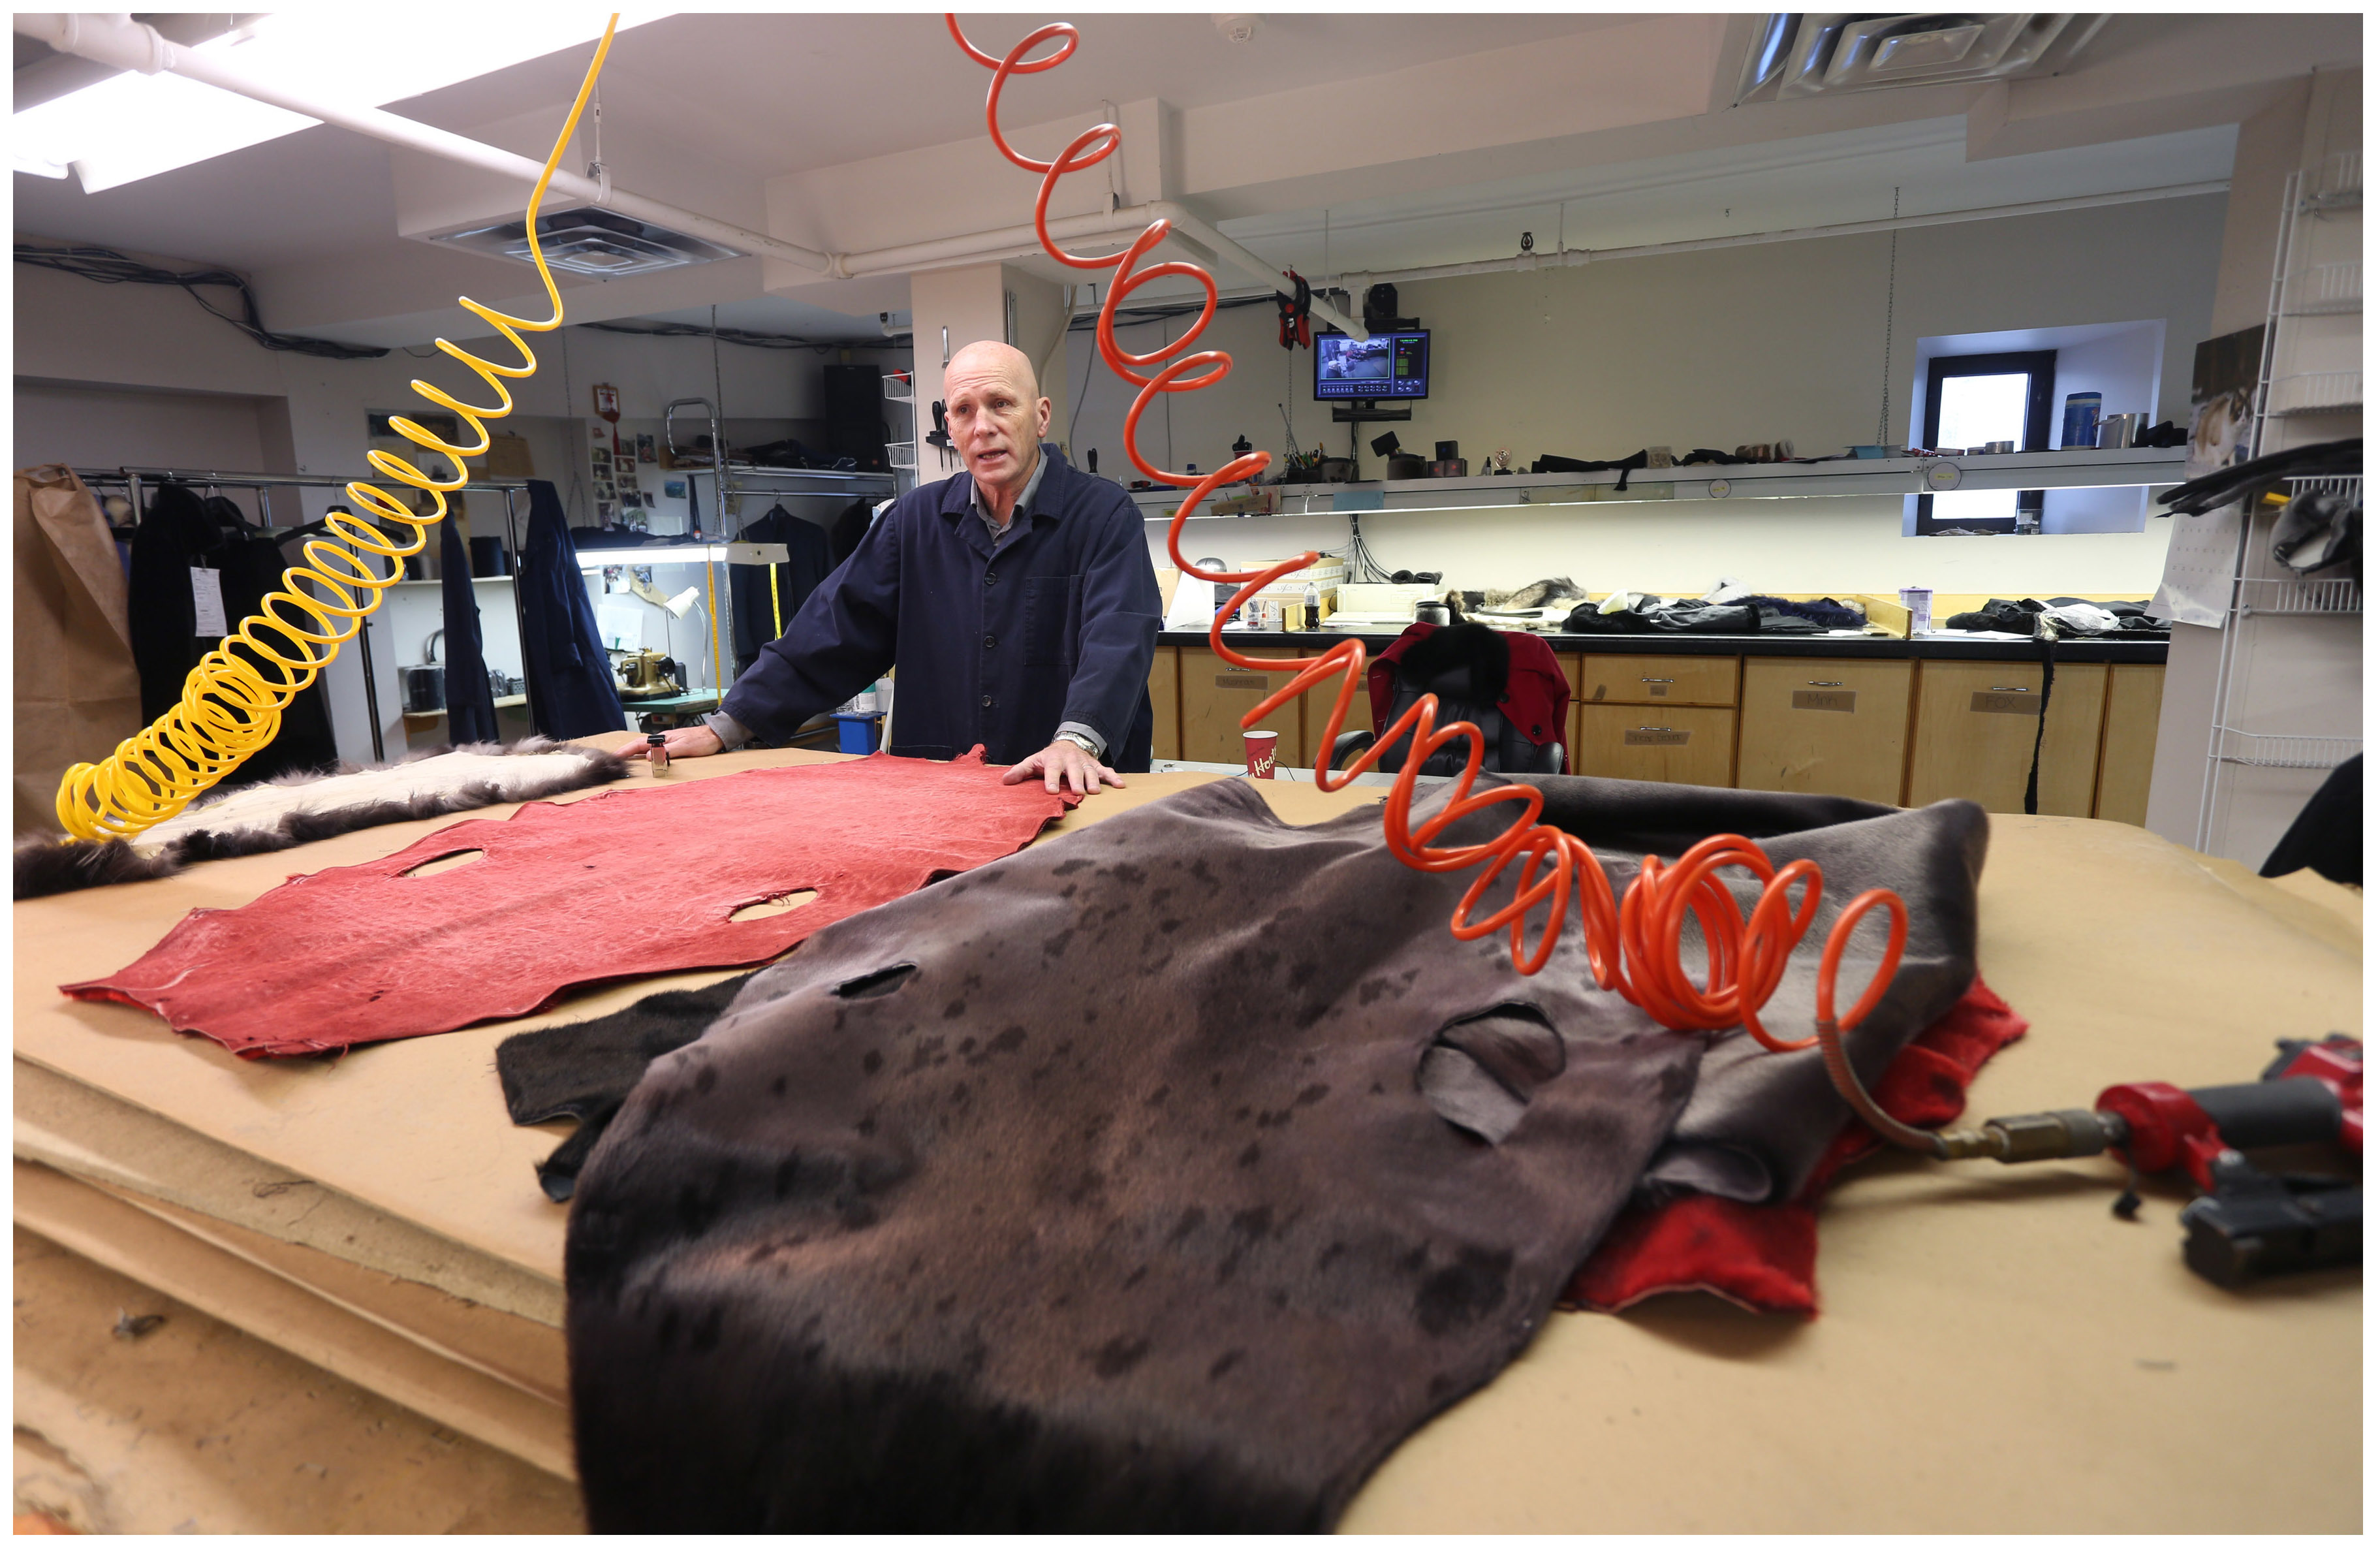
{"points": [[47, 864], [1474, 647]]}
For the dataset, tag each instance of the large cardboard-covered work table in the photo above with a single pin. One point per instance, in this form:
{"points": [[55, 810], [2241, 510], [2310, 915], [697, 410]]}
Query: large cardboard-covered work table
{"points": [[1994, 1352]]}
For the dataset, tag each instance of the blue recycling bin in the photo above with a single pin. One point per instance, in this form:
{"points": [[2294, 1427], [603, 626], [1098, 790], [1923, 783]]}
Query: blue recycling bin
{"points": [[856, 733]]}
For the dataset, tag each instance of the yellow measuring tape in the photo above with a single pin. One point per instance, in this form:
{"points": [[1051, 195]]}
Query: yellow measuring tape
{"points": [[229, 706]]}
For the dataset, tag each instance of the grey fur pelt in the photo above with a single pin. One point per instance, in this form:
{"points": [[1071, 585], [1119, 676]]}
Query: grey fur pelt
{"points": [[299, 809]]}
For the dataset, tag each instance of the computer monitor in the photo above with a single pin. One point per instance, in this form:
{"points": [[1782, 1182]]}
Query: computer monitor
{"points": [[1387, 365]]}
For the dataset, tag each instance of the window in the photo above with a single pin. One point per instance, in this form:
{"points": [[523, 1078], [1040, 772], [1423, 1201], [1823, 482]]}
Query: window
{"points": [[1972, 400]]}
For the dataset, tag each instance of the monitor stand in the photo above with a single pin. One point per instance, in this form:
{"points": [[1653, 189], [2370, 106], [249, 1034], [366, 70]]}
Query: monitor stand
{"points": [[1363, 411]]}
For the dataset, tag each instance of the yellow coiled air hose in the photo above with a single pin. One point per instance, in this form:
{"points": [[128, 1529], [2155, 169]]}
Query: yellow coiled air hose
{"points": [[232, 701]]}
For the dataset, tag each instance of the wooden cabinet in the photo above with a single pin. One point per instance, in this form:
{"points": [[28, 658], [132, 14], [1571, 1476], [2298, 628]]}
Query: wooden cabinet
{"points": [[1165, 699], [2127, 746], [1673, 744], [1215, 694], [1975, 728], [1825, 727], [1601, 679]]}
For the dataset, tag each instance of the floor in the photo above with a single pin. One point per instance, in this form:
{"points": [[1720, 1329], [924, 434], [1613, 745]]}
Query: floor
{"points": [[193, 1426]]}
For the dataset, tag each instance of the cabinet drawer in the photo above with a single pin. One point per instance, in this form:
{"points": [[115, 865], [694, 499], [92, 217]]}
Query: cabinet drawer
{"points": [[1215, 694], [1668, 746], [1825, 727], [1976, 723], [1597, 679], [2128, 749], [1165, 702]]}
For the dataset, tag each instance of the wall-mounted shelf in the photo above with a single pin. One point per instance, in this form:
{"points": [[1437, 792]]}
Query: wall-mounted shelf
{"points": [[2318, 392], [2301, 599], [2322, 289], [2155, 466], [2249, 749]]}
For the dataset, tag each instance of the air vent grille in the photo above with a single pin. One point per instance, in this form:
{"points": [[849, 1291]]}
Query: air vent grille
{"points": [[1812, 54], [587, 241]]}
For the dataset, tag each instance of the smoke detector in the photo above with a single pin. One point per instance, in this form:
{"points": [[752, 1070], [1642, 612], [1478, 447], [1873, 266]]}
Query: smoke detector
{"points": [[1809, 55], [1238, 28], [589, 242]]}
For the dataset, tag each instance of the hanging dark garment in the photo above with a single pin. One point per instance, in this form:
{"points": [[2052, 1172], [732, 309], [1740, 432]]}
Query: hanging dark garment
{"points": [[176, 535], [570, 688], [471, 703], [849, 527], [1162, 1176], [760, 615]]}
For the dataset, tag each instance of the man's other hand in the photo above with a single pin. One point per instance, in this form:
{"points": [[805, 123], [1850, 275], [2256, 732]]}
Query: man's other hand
{"points": [[1064, 764], [686, 741]]}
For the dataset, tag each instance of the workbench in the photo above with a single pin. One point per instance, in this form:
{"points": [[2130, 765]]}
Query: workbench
{"points": [[1994, 1352]]}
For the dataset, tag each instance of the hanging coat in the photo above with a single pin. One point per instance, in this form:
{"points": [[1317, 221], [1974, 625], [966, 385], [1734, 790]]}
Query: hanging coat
{"points": [[252, 569], [470, 704], [78, 691], [761, 614], [570, 688]]}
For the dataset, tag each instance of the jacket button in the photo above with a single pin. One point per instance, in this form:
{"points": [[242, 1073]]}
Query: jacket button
{"points": [[988, 576], [989, 643], [986, 701]]}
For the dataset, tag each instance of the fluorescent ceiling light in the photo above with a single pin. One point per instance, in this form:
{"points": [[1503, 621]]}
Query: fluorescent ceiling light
{"points": [[133, 126]]}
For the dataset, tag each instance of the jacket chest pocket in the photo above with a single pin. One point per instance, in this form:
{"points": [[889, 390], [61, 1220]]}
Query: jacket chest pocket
{"points": [[1053, 619]]}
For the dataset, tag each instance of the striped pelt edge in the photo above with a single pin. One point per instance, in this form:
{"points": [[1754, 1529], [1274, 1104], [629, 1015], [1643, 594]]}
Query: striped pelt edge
{"points": [[301, 807]]}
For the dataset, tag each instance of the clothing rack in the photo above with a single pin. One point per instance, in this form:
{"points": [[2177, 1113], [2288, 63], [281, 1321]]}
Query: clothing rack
{"points": [[134, 479], [728, 479]]}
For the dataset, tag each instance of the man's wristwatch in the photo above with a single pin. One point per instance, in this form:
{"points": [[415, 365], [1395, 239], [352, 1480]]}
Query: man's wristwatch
{"points": [[1080, 742]]}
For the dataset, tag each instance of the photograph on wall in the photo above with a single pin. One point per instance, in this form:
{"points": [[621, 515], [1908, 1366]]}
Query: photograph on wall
{"points": [[605, 511], [645, 451], [673, 489], [631, 498], [2223, 400]]}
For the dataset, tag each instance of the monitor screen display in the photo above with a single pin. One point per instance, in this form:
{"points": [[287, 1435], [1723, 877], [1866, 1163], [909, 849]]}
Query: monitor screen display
{"points": [[1393, 365]]}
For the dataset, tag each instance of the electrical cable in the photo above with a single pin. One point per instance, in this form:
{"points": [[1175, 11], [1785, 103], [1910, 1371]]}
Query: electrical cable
{"points": [[107, 266], [229, 708], [1633, 947], [743, 336]]}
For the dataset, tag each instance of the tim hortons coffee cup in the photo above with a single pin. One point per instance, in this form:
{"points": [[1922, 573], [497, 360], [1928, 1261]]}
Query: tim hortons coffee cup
{"points": [[1260, 746]]}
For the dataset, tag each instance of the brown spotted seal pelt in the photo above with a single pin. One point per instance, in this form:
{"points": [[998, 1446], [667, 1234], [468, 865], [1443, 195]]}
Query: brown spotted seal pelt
{"points": [[1161, 1176]]}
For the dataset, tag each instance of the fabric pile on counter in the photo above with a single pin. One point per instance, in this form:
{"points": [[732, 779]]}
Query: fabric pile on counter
{"points": [[2067, 617], [1725, 611]]}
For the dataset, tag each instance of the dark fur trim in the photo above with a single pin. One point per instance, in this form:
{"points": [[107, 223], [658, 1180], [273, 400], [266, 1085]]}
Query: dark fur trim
{"points": [[1474, 646], [45, 866], [48, 865]]}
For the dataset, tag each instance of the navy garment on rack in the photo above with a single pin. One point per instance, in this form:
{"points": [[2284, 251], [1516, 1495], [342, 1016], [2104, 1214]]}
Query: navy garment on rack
{"points": [[177, 533], [760, 617], [570, 688], [470, 705], [850, 527]]}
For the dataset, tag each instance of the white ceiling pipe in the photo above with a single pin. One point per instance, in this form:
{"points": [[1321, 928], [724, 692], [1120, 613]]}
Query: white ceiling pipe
{"points": [[1572, 257], [128, 44], [118, 41]]}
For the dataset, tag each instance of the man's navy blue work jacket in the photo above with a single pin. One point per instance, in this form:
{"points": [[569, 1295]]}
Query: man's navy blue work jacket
{"points": [[1061, 627]]}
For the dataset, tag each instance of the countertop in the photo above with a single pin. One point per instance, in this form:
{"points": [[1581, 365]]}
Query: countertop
{"points": [[2145, 652]]}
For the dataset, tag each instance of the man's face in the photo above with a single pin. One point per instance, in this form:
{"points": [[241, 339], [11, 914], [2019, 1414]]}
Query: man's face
{"points": [[995, 419]]}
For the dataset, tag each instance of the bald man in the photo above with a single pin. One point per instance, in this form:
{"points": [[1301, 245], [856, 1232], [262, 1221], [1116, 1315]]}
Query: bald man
{"points": [[1015, 599]]}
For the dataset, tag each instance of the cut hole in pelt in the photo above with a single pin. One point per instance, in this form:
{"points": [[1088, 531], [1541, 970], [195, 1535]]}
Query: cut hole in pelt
{"points": [[768, 907], [881, 982], [447, 862]]}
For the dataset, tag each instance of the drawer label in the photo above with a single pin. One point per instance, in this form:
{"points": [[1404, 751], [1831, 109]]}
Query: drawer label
{"points": [[1839, 699], [1659, 690], [1243, 679], [1655, 736], [1997, 703]]}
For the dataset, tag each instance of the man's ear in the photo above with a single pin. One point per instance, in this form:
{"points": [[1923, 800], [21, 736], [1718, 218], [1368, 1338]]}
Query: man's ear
{"points": [[1042, 405]]}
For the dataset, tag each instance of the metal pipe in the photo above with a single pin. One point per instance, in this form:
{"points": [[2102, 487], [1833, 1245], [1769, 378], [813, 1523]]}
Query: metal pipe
{"points": [[1574, 257]]}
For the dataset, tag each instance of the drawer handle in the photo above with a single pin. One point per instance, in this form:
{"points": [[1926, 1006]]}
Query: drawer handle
{"points": [[1657, 679], [2011, 690], [1815, 683], [1656, 728]]}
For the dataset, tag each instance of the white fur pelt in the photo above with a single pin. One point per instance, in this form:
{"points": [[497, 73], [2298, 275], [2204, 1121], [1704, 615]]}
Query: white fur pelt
{"points": [[299, 809]]}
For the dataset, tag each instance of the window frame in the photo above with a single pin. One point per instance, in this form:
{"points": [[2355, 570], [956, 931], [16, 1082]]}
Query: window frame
{"points": [[2040, 368]]}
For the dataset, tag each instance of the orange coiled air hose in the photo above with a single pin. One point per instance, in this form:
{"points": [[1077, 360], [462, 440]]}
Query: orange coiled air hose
{"points": [[232, 701], [1633, 948]]}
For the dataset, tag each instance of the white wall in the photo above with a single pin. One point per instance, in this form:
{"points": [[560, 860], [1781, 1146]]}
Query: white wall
{"points": [[1682, 547], [1785, 341]]}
